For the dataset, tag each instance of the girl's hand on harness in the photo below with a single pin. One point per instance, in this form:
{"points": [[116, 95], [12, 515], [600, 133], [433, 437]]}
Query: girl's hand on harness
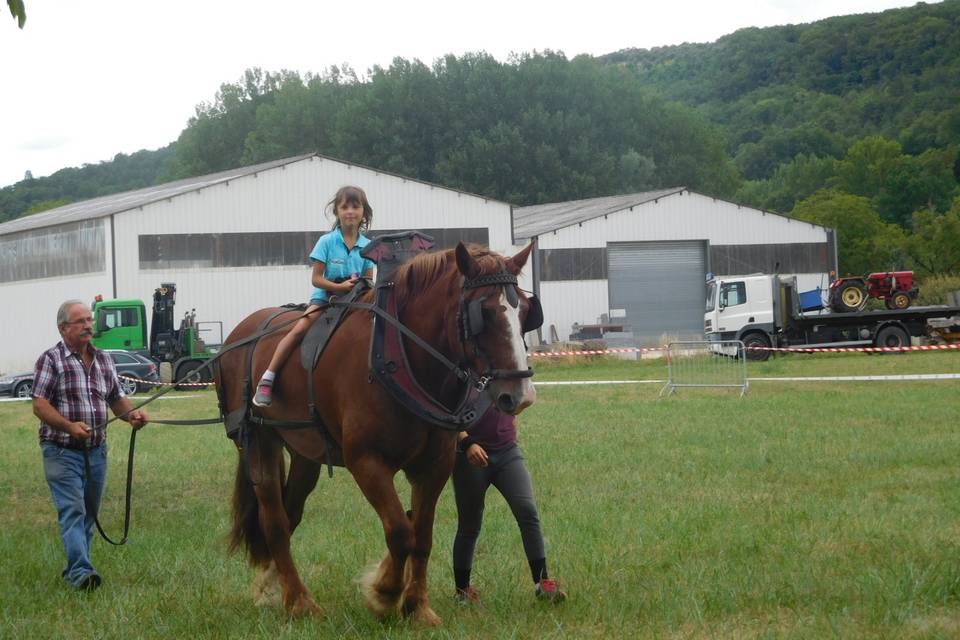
{"points": [[477, 456]]}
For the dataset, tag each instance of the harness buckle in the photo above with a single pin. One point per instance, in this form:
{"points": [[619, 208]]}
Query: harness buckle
{"points": [[482, 382]]}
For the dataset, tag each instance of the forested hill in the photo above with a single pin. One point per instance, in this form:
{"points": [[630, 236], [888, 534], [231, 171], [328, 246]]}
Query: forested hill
{"points": [[851, 122], [815, 88]]}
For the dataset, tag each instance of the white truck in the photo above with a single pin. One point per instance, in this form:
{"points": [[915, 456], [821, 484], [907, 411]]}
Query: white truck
{"points": [[765, 311]]}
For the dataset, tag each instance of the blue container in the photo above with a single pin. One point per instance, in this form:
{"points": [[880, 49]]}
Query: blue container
{"points": [[811, 300]]}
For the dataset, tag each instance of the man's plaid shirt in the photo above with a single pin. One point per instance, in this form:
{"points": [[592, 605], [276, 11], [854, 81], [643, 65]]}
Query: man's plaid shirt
{"points": [[79, 395]]}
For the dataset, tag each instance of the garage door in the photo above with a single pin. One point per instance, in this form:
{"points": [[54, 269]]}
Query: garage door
{"points": [[660, 287]]}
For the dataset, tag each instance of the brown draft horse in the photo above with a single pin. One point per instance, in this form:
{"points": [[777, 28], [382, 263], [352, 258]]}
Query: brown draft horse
{"points": [[377, 435]]}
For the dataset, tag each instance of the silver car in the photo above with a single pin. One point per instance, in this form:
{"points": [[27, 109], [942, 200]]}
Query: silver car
{"points": [[18, 385]]}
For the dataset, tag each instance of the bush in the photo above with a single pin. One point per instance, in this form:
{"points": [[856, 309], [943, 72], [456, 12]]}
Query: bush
{"points": [[934, 289]]}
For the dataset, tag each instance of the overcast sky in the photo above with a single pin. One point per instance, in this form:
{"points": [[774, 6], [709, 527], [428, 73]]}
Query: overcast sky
{"points": [[84, 81]]}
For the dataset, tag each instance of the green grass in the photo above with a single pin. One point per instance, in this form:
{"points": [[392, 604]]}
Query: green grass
{"points": [[804, 510]]}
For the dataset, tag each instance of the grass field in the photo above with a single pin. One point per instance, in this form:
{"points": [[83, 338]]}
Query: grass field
{"points": [[804, 510]]}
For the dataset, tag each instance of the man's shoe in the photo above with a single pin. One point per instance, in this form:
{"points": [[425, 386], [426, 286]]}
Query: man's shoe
{"points": [[467, 595], [264, 395], [547, 589], [90, 583]]}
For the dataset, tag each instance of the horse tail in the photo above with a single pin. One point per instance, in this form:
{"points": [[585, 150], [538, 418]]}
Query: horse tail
{"points": [[245, 534]]}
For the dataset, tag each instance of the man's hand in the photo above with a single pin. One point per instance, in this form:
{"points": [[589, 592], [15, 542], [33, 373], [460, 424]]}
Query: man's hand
{"points": [[477, 455], [79, 430], [138, 418]]}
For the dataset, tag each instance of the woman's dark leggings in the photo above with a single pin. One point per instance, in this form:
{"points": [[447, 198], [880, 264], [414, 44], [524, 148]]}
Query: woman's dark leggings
{"points": [[507, 471]]}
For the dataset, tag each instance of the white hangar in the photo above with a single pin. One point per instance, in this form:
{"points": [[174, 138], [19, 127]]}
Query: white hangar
{"points": [[233, 242], [638, 262]]}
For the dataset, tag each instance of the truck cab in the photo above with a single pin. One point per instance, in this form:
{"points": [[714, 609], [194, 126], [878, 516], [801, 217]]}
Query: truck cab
{"points": [[120, 324], [736, 304]]}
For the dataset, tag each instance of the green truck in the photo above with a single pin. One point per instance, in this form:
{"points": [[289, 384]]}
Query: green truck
{"points": [[122, 324]]}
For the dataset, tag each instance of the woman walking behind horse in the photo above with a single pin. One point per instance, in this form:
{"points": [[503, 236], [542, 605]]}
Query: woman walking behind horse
{"points": [[490, 455], [337, 264]]}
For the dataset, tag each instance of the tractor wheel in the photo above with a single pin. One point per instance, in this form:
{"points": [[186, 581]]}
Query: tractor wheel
{"points": [[899, 300], [755, 346], [851, 296], [892, 336]]}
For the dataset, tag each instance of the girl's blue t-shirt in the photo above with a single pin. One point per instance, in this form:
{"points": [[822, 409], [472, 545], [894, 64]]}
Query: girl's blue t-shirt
{"points": [[339, 262]]}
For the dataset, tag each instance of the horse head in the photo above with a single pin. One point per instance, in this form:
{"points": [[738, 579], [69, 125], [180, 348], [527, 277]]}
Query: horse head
{"points": [[493, 316]]}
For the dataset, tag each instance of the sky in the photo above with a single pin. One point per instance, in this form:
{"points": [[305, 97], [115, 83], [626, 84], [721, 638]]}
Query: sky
{"points": [[84, 81]]}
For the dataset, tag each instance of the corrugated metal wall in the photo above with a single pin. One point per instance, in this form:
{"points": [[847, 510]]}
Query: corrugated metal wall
{"points": [[680, 217], [659, 287], [290, 198]]}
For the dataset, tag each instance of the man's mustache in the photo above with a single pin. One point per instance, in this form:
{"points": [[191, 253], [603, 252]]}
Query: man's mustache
{"points": [[86, 332]]}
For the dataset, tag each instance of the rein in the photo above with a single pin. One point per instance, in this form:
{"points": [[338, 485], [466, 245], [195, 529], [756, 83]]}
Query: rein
{"points": [[192, 376]]}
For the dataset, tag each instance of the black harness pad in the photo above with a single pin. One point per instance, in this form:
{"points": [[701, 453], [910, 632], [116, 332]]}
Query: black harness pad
{"points": [[320, 332]]}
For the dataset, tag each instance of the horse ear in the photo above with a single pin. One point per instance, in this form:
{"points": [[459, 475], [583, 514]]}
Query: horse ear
{"points": [[467, 264], [516, 263]]}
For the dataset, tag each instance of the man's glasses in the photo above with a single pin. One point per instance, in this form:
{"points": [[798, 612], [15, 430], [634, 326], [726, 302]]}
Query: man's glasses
{"points": [[80, 321]]}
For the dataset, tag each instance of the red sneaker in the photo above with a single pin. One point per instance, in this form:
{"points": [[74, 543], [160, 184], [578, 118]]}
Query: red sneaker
{"points": [[467, 595], [547, 589]]}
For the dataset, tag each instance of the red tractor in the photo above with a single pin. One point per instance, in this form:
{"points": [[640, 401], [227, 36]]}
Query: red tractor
{"points": [[895, 288]]}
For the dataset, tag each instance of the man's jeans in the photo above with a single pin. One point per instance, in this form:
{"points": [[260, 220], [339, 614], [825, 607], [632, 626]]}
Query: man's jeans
{"points": [[77, 499]]}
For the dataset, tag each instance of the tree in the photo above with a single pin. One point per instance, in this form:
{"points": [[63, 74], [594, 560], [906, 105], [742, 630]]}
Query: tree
{"points": [[18, 11], [865, 243], [934, 246]]}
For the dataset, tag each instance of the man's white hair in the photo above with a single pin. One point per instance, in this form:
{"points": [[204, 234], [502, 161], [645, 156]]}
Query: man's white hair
{"points": [[63, 311]]}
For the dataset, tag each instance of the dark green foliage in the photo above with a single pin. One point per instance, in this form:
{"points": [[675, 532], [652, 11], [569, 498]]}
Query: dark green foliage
{"points": [[123, 173], [538, 128]]}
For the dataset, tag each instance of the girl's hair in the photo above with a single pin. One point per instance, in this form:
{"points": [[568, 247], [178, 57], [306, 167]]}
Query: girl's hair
{"points": [[352, 195]]}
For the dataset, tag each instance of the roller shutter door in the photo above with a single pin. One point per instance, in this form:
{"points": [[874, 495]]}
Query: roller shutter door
{"points": [[661, 286]]}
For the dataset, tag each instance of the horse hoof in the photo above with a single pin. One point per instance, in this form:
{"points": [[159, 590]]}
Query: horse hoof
{"points": [[426, 617], [303, 607]]}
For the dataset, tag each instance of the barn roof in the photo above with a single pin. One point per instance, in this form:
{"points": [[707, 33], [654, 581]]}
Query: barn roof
{"points": [[542, 218], [118, 202]]}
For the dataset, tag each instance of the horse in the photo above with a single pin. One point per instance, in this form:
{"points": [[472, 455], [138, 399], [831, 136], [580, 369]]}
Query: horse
{"points": [[376, 435]]}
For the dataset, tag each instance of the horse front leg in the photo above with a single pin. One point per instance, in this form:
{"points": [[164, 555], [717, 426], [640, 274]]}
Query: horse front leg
{"points": [[383, 584], [266, 468]]}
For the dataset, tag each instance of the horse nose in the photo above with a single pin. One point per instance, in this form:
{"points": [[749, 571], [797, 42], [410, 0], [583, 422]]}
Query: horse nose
{"points": [[506, 403]]}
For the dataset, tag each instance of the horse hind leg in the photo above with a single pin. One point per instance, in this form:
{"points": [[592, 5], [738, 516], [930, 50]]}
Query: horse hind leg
{"points": [[301, 480], [265, 458]]}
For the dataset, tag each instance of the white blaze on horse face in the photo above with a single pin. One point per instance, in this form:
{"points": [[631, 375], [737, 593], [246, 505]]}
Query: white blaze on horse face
{"points": [[517, 348]]}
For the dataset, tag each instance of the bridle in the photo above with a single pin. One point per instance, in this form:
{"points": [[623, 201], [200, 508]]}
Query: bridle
{"points": [[471, 324]]}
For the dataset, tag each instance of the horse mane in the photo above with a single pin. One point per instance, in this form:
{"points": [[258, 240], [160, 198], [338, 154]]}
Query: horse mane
{"points": [[438, 268]]}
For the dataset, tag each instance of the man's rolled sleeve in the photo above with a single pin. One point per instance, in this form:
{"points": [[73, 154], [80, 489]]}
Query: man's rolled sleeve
{"points": [[44, 378]]}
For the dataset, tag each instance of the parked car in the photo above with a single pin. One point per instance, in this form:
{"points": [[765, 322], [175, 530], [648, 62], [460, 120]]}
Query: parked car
{"points": [[18, 385], [137, 366]]}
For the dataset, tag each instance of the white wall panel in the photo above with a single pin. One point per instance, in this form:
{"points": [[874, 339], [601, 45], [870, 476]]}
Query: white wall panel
{"points": [[288, 198], [28, 323], [686, 216], [564, 303]]}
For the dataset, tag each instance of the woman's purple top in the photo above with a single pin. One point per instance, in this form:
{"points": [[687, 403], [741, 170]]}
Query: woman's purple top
{"points": [[495, 430]]}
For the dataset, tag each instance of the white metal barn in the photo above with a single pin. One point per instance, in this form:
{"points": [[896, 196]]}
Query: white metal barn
{"points": [[639, 261], [233, 242]]}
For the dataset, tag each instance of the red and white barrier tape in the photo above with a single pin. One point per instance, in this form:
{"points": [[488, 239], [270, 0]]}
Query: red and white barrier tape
{"points": [[162, 384], [597, 352], [929, 347]]}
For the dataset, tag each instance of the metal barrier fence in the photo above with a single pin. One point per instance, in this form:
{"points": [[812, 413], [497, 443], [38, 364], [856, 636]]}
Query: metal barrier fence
{"points": [[706, 364]]}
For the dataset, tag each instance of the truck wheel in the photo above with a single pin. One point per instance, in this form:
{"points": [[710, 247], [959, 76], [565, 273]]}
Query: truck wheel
{"points": [[755, 346], [892, 336], [851, 296], [184, 370], [23, 389]]}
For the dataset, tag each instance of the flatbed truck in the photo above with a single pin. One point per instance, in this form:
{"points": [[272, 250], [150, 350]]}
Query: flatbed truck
{"points": [[764, 311]]}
